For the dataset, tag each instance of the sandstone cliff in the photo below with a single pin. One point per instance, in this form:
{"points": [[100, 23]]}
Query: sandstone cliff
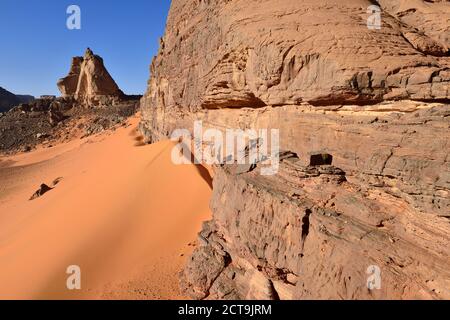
{"points": [[374, 100], [88, 81]]}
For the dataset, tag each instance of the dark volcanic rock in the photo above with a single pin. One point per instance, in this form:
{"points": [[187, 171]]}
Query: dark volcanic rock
{"points": [[9, 100], [59, 119], [43, 189]]}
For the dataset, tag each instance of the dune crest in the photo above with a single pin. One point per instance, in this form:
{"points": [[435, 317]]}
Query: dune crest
{"points": [[123, 213]]}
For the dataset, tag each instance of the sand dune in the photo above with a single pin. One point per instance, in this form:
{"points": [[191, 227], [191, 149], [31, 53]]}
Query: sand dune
{"points": [[122, 212]]}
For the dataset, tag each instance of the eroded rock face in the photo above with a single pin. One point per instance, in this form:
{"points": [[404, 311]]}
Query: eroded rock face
{"points": [[89, 82], [425, 24], [374, 101], [68, 85], [397, 186], [218, 54], [308, 233]]}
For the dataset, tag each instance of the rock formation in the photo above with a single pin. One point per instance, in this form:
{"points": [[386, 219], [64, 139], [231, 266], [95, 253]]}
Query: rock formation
{"points": [[68, 85], [312, 233], [376, 101], [91, 102], [425, 25], [88, 81]]}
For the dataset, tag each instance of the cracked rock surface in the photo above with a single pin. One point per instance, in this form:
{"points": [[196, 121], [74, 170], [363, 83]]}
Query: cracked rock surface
{"points": [[308, 233]]}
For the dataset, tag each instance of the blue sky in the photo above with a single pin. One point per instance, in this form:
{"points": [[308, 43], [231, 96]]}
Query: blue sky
{"points": [[37, 47]]}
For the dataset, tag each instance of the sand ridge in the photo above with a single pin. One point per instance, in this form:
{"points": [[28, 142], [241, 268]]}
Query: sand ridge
{"points": [[122, 212]]}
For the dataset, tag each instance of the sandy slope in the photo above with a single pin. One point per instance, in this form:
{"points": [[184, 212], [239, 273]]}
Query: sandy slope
{"points": [[123, 212]]}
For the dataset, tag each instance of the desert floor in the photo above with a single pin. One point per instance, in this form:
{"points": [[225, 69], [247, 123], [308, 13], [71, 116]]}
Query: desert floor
{"points": [[122, 212]]}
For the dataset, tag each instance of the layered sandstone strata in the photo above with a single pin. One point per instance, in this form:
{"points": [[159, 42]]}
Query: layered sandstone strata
{"points": [[426, 24], [373, 100], [88, 81], [223, 54], [309, 233]]}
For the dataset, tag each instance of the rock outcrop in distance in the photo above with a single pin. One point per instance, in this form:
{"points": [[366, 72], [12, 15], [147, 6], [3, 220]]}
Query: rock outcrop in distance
{"points": [[91, 102], [89, 83], [375, 101], [9, 100]]}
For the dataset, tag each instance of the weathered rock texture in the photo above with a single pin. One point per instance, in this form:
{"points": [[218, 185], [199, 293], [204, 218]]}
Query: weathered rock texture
{"points": [[218, 54], [426, 24], [89, 82], [376, 101], [308, 233]]}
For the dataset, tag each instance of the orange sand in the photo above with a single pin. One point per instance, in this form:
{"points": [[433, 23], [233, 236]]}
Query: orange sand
{"points": [[123, 213]]}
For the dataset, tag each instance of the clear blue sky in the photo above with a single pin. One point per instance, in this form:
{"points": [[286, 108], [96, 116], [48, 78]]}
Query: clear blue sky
{"points": [[36, 47]]}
